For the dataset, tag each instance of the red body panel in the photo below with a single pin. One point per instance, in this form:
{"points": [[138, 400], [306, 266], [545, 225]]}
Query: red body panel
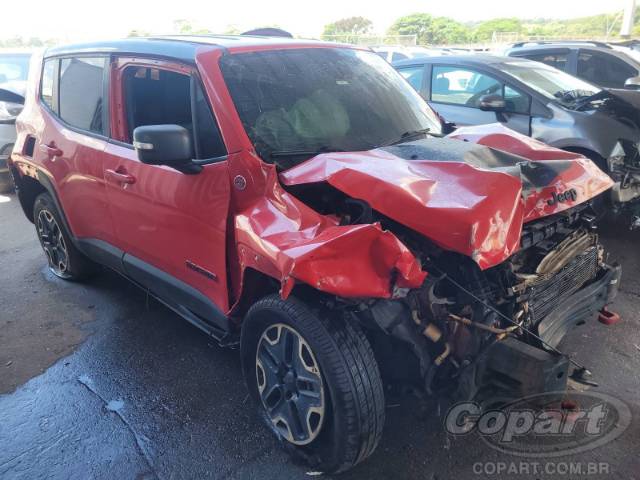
{"points": [[282, 237], [583, 175], [474, 211]]}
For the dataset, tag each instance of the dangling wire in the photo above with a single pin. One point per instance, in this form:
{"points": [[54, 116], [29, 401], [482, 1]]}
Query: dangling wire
{"points": [[503, 316]]}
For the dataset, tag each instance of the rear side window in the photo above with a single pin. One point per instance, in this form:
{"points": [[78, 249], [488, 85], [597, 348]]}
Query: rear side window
{"points": [[81, 100], [554, 59], [46, 88]]}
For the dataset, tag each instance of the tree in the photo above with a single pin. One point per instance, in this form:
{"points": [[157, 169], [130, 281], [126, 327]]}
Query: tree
{"points": [[430, 30], [348, 26], [485, 30]]}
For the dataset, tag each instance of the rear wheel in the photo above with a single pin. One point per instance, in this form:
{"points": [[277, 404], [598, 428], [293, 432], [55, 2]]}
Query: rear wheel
{"points": [[64, 259], [315, 381]]}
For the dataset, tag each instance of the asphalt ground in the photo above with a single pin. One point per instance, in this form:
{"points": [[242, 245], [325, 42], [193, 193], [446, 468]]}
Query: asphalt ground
{"points": [[99, 381]]}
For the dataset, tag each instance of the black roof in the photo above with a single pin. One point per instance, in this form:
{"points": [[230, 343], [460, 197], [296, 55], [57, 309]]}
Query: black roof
{"points": [[182, 47]]}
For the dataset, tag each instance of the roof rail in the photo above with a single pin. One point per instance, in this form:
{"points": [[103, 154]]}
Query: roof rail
{"points": [[562, 42]]}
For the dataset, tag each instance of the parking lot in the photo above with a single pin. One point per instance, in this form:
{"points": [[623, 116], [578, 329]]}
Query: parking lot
{"points": [[99, 381]]}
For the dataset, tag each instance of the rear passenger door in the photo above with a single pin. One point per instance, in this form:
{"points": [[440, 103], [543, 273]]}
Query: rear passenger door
{"points": [[170, 226], [74, 98], [455, 93]]}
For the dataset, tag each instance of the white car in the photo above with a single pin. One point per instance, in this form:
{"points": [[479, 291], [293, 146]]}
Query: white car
{"points": [[14, 69]]}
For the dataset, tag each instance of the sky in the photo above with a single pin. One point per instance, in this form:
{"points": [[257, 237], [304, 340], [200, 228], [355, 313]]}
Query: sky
{"points": [[80, 20]]}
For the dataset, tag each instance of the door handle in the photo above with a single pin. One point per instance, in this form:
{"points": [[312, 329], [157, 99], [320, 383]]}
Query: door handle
{"points": [[119, 175], [51, 149]]}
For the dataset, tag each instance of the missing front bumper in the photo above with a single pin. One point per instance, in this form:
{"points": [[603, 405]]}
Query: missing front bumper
{"points": [[581, 306]]}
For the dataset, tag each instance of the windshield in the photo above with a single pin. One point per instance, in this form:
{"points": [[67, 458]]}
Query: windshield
{"points": [[550, 82], [312, 100], [13, 68]]}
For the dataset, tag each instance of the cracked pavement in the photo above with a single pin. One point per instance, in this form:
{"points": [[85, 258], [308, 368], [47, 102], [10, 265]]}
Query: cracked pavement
{"points": [[99, 381]]}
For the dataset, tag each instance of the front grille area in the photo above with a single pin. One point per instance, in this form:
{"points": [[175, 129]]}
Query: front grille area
{"points": [[546, 293]]}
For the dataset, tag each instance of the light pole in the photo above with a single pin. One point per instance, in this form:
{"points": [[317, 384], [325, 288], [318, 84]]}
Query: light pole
{"points": [[627, 19]]}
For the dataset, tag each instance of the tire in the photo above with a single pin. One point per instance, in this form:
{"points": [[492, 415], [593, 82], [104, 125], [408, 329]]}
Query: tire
{"points": [[64, 259], [6, 183], [353, 406]]}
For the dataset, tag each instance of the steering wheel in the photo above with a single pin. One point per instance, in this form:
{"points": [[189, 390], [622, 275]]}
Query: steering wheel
{"points": [[473, 100]]}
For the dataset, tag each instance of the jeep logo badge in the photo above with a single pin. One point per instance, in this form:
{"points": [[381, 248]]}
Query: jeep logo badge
{"points": [[556, 198]]}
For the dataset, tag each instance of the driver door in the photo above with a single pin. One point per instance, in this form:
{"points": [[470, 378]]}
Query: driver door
{"points": [[455, 94], [170, 226]]}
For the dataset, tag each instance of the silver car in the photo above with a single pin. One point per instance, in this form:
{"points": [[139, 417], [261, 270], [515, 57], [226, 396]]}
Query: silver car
{"points": [[14, 69]]}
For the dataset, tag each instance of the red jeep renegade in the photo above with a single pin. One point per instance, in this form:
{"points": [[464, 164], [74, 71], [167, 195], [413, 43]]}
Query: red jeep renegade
{"points": [[300, 199]]}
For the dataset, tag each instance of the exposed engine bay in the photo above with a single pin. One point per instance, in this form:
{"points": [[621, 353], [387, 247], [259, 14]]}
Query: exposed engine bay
{"points": [[482, 334]]}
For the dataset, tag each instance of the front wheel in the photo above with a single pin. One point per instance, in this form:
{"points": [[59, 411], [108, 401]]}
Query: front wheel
{"points": [[315, 381]]}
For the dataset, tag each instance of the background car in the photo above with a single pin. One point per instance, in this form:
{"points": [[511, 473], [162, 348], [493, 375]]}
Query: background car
{"points": [[602, 64], [14, 69], [542, 102], [397, 53]]}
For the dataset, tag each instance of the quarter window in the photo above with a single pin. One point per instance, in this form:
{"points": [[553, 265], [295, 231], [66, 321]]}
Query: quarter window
{"points": [[46, 88], [516, 102], [82, 93]]}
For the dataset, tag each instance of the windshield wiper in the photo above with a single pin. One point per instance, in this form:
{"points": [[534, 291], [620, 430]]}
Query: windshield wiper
{"points": [[406, 136], [302, 153], [573, 95]]}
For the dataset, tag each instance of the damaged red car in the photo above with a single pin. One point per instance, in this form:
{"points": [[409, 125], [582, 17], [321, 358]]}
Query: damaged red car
{"points": [[299, 199]]}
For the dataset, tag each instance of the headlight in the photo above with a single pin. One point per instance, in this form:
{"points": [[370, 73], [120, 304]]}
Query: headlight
{"points": [[617, 156], [9, 111]]}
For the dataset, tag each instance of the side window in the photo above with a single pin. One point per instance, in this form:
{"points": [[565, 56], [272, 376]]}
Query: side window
{"points": [[46, 87], [604, 70], [554, 59], [413, 75], [517, 102], [461, 86], [82, 93], [159, 97]]}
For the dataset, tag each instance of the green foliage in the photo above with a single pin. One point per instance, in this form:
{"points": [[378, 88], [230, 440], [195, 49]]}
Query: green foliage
{"points": [[348, 26], [484, 31], [430, 30]]}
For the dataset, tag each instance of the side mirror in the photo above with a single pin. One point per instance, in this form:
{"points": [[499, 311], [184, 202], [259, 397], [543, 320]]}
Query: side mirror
{"points": [[492, 103], [168, 145], [632, 83]]}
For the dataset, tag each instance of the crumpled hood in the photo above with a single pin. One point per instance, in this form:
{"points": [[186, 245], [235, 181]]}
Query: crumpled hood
{"points": [[465, 197]]}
